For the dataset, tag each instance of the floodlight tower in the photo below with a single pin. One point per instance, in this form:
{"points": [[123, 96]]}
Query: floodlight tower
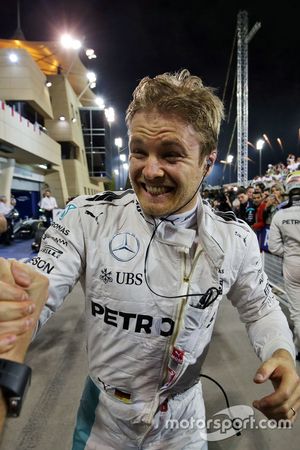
{"points": [[243, 39], [242, 98]]}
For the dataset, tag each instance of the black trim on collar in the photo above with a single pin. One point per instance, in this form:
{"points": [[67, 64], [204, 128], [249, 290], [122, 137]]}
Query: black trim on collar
{"points": [[228, 216], [109, 196]]}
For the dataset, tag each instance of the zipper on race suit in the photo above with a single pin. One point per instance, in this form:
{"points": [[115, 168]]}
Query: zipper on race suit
{"points": [[187, 276]]}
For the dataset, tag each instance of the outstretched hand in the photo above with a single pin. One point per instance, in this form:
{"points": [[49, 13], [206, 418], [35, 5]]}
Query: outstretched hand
{"points": [[23, 293], [284, 402], [16, 308]]}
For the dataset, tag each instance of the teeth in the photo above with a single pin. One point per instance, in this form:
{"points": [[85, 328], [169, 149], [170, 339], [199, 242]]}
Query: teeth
{"points": [[156, 190]]}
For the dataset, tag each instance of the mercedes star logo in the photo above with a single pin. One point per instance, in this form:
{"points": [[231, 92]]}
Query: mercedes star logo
{"points": [[124, 246]]}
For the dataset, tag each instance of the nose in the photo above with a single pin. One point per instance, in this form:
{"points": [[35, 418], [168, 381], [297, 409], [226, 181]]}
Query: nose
{"points": [[152, 169]]}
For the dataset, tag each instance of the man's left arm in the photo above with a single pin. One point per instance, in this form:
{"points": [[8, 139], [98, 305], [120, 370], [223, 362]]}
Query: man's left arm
{"points": [[269, 334]]}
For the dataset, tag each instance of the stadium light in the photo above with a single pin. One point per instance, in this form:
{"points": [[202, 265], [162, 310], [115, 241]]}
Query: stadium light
{"points": [[100, 102], [67, 41], [110, 114], [259, 146], [90, 53], [91, 76], [118, 142]]}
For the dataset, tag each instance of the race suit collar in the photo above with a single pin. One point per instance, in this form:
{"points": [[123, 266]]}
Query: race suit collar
{"points": [[187, 219], [208, 235], [204, 229]]}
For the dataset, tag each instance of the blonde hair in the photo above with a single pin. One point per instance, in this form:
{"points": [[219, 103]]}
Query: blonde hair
{"points": [[182, 95]]}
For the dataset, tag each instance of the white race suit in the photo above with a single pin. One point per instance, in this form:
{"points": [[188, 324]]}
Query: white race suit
{"points": [[284, 240], [146, 340]]}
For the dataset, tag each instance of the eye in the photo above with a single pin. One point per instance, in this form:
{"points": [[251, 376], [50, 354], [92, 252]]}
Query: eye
{"points": [[138, 153], [172, 157]]}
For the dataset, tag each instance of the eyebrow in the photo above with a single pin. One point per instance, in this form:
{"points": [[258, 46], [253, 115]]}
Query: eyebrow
{"points": [[136, 140], [169, 142], [164, 143]]}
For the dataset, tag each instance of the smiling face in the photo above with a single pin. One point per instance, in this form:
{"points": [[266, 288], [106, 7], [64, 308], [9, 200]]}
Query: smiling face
{"points": [[165, 163]]}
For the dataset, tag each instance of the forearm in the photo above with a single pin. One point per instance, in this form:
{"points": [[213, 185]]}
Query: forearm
{"points": [[271, 334]]}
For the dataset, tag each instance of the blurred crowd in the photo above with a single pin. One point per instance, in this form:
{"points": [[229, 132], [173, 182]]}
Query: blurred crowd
{"points": [[257, 203], [271, 207], [279, 172]]}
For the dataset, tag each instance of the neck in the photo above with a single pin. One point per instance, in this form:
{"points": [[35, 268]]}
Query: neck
{"points": [[185, 219]]}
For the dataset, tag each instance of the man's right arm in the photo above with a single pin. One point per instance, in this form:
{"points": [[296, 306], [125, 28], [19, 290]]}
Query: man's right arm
{"points": [[60, 261], [61, 258]]}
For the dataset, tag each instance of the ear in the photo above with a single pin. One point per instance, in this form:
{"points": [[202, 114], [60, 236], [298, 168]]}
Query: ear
{"points": [[210, 161]]}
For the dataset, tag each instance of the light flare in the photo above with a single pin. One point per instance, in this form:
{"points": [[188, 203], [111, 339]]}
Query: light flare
{"points": [[251, 145], [280, 143], [267, 141]]}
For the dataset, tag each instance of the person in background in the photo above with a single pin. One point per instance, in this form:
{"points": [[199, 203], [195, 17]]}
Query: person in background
{"points": [[48, 204], [266, 192], [249, 192], [5, 211], [291, 163], [259, 187], [278, 190], [205, 194], [284, 241], [246, 209], [260, 205], [274, 202]]}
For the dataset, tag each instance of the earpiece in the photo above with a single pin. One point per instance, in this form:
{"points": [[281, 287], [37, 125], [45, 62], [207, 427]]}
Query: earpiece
{"points": [[208, 163]]}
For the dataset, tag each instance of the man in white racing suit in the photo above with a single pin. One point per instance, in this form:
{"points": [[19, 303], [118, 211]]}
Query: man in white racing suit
{"points": [[284, 241], [155, 262]]}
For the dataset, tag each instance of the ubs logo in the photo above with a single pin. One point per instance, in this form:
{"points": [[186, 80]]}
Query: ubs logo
{"points": [[124, 246]]}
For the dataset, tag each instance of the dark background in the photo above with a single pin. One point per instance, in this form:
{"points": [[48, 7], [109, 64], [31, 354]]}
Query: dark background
{"points": [[133, 39]]}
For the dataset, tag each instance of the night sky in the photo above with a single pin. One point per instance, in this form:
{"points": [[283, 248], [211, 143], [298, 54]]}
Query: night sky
{"points": [[133, 39]]}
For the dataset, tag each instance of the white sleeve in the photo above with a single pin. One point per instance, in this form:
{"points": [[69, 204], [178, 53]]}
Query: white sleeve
{"points": [[275, 243], [62, 259], [266, 324]]}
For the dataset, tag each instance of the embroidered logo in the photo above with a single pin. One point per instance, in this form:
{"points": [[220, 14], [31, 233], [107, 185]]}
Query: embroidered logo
{"points": [[67, 209], [106, 276], [124, 246]]}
